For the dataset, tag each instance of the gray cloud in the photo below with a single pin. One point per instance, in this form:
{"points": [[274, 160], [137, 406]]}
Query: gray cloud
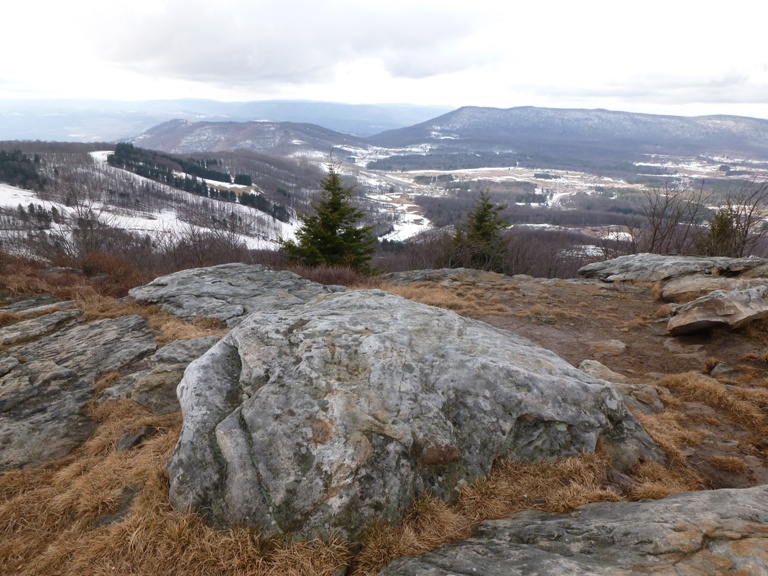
{"points": [[290, 42]]}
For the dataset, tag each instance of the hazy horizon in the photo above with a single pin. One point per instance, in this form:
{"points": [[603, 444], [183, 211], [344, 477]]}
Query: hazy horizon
{"points": [[653, 57]]}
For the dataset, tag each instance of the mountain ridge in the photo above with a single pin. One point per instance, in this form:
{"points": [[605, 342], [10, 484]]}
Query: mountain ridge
{"points": [[110, 120], [516, 126], [476, 136]]}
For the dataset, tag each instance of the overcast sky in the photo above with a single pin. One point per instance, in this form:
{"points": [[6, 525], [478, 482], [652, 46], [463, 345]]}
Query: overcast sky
{"points": [[670, 57]]}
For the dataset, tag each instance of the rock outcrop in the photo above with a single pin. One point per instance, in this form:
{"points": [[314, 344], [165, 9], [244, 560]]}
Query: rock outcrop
{"points": [[154, 381], [228, 292], [709, 532], [720, 308], [47, 382], [657, 267], [719, 291], [327, 415], [687, 288]]}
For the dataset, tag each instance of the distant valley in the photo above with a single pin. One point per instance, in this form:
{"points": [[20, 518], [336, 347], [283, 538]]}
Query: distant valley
{"points": [[536, 156], [575, 170]]}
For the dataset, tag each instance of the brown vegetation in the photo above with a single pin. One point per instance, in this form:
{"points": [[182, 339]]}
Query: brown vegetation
{"points": [[168, 326], [557, 486], [100, 511]]}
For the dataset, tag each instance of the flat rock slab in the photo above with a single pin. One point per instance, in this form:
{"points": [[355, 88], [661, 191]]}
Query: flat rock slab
{"points": [[687, 288], [721, 308], [656, 267], [696, 533], [33, 328], [153, 384], [48, 382], [327, 415], [228, 292]]}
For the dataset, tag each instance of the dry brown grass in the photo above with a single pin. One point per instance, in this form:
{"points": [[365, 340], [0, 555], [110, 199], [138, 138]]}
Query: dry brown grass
{"points": [[105, 381], [557, 486], [657, 291], [728, 463], [169, 327], [672, 434], [8, 318], [761, 357], [758, 331], [465, 300], [548, 312], [29, 278], [658, 313], [48, 514], [693, 386], [656, 481], [52, 517], [710, 363]]}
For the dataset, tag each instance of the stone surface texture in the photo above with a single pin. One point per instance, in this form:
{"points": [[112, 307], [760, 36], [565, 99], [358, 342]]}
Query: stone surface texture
{"points": [[657, 267], [720, 309], [228, 292], [48, 382], [695, 533], [326, 415], [154, 381]]}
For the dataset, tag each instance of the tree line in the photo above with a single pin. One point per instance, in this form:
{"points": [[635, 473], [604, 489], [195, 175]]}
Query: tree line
{"points": [[17, 169], [166, 169]]}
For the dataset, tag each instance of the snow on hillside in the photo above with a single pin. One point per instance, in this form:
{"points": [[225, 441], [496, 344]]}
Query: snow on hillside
{"points": [[168, 222], [161, 224]]}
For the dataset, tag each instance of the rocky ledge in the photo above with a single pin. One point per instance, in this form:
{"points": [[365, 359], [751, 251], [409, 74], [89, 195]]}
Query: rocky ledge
{"points": [[228, 292], [715, 532], [717, 292]]}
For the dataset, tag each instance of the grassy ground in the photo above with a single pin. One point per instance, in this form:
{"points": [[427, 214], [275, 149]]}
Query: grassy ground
{"points": [[103, 511]]}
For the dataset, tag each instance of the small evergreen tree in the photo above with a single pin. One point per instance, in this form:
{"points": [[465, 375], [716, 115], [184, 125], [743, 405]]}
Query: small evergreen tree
{"points": [[479, 242], [331, 235], [723, 237]]}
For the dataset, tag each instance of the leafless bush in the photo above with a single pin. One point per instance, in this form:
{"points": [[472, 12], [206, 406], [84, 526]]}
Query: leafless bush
{"points": [[672, 219], [676, 222], [738, 227], [541, 253]]}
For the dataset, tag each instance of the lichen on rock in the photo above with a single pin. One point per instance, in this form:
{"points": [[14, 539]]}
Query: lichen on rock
{"points": [[326, 415]]}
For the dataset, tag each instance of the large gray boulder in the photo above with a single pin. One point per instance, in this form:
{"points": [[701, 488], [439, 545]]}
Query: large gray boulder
{"points": [[228, 292], [657, 267], [327, 415], [721, 308], [715, 532]]}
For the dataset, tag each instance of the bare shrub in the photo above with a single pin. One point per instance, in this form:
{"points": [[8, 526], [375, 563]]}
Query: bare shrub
{"points": [[672, 218], [737, 228], [337, 276], [519, 250], [676, 222]]}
